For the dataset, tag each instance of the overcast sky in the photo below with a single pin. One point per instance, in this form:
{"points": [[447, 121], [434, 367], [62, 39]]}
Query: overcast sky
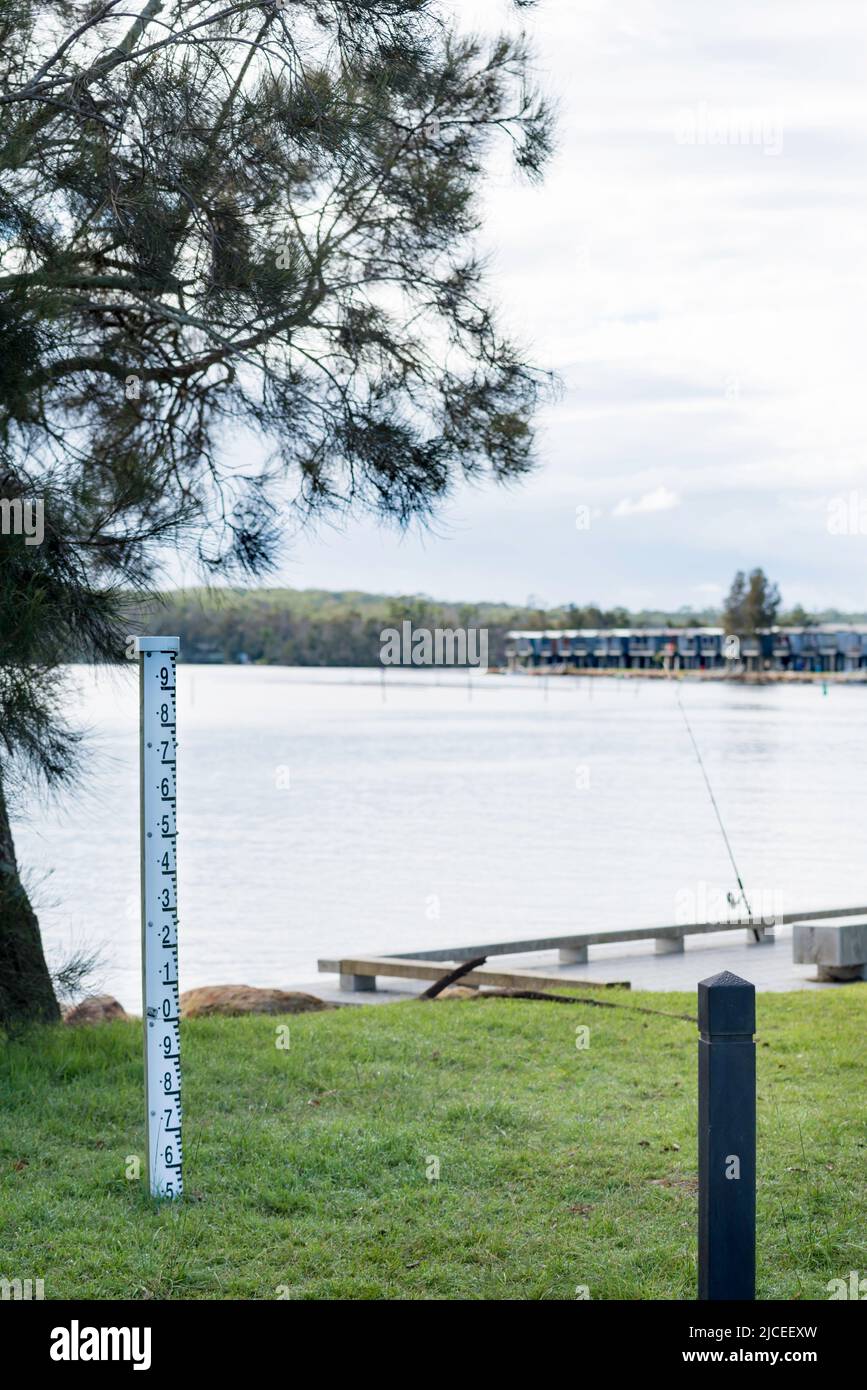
{"points": [[694, 268]]}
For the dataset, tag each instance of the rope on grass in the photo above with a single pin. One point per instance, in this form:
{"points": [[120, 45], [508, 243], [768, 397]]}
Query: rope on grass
{"points": [[580, 999]]}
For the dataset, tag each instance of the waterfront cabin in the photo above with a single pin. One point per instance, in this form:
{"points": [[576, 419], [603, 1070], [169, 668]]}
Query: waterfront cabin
{"points": [[823, 647]]}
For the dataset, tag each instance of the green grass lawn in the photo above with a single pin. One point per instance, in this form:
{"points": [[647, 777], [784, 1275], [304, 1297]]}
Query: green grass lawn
{"points": [[307, 1168]]}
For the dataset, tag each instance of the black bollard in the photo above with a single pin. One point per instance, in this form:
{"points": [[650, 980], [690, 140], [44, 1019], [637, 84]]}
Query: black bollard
{"points": [[726, 1138]]}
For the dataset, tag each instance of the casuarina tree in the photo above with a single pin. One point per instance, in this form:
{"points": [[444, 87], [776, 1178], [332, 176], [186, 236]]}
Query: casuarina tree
{"points": [[238, 287]]}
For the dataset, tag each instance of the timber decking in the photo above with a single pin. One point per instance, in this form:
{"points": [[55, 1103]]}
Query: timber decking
{"points": [[579, 940], [368, 967]]}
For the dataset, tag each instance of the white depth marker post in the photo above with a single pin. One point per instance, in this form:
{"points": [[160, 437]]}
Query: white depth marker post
{"points": [[159, 900]]}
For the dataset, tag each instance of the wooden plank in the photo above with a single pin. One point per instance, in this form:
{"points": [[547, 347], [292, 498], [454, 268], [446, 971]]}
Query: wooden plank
{"points": [[415, 969], [598, 938]]}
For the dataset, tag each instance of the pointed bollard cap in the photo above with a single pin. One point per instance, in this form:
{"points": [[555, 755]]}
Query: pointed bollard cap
{"points": [[726, 1006]]}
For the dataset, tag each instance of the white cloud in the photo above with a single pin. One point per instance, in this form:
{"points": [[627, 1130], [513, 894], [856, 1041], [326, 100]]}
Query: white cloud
{"points": [[660, 500]]}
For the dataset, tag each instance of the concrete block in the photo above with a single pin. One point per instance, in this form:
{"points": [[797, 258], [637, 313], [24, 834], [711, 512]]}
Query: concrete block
{"points": [[835, 944]]}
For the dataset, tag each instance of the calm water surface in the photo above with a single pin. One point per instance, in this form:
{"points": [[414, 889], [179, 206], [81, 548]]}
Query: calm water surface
{"points": [[329, 811]]}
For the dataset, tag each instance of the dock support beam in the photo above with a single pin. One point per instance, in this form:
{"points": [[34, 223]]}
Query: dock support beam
{"points": [[760, 936], [726, 1138], [358, 982], [668, 945]]}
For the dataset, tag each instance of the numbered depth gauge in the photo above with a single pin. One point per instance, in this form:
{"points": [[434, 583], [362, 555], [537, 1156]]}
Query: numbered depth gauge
{"points": [[159, 895]]}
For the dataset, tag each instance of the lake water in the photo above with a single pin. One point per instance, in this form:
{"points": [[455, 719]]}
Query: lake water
{"points": [[329, 811]]}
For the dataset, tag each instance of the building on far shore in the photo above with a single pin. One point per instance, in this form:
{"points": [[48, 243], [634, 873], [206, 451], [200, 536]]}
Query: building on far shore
{"points": [[825, 647]]}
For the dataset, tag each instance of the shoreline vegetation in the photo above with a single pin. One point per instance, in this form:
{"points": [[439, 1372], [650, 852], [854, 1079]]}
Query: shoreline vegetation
{"points": [[318, 627]]}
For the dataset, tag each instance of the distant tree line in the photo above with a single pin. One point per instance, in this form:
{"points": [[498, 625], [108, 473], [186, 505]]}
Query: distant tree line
{"points": [[290, 627], [315, 627]]}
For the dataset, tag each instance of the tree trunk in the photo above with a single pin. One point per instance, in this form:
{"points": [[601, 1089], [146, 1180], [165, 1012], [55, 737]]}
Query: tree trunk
{"points": [[26, 991]]}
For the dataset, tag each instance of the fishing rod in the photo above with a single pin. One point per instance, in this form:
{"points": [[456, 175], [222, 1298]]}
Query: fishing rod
{"points": [[718, 814]]}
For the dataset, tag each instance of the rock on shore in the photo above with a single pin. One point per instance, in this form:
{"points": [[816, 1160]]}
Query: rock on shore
{"points": [[98, 1008], [228, 1000]]}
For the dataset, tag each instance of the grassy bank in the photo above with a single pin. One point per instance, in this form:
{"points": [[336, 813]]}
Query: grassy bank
{"points": [[307, 1168]]}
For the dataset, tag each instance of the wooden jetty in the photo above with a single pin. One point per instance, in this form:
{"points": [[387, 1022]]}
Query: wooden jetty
{"points": [[360, 971]]}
